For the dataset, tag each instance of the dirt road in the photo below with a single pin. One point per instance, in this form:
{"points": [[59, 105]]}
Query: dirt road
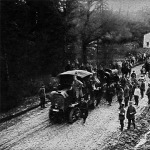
{"points": [[34, 131]]}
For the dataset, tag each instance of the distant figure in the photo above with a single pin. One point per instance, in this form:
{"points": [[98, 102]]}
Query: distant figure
{"points": [[126, 95], [123, 81], [109, 94], [133, 60], [73, 67], [122, 116], [133, 75], [143, 71], [117, 87], [131, 115], [147, 66], [149, 74], [42, 96], [142, 78], [68, 66], [77, 87], [116, 78], [137, 94], [144, 56], [89, 67], [131, 91], [148, 93], [142, 88], [120, 96], [82, 67], [77, 65]]}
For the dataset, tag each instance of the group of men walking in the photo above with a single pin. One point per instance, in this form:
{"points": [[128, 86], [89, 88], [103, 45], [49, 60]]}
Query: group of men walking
{"points": [[133, 91], [127, 88]]}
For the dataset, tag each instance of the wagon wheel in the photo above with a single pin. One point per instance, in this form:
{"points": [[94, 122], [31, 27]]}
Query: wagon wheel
{"points": [[74, 114]]}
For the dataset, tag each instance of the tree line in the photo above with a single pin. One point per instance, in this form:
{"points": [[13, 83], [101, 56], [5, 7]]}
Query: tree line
{"points": [[39, 36]]}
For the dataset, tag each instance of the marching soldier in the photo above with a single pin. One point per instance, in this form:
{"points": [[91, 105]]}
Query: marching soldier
{"points": [[131, 92], [120, 96], [68, 66], [142, 88], [137, 95], [123, 81], [126, 95], [77, 87], [131, 115], [133, 76], [148, 94], [109, 94], [122, 116], [42, 96]]}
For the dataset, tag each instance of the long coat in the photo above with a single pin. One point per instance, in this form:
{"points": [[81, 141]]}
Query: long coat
{"points": [[131, 112], [109, 93]]}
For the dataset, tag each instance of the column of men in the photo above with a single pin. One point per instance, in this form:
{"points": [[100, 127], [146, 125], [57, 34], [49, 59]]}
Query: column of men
{"points": [[131, 90], [127, 88]]}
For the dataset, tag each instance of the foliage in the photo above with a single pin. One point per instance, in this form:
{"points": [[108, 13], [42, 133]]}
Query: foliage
{"points": [[39, 36], [33, 41], [138, 29]]}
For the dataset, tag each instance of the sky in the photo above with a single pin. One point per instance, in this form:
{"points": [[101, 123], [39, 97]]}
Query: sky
{"points": [[128, 5]]}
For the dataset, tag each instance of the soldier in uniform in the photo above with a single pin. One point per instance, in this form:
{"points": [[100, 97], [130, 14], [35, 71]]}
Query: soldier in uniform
{"points": [[77, 87], [137, 94], [142, 88], [123, 81], [68, 66], [131, 115], [120, 96], [42, 96], [131, 92], [126, 95], [148, 94], [133, 76], [122, 116], [109, 94]]}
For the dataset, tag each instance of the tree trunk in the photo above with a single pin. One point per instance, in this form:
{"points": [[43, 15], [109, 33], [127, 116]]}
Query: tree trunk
{"points": [[6, 67]]}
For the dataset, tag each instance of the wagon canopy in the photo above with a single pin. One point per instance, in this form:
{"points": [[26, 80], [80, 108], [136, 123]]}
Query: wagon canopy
{"points": [[80, 73]]}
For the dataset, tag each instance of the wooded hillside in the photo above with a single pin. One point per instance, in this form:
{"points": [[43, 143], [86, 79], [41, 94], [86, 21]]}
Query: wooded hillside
{"points": [[39, 36]]}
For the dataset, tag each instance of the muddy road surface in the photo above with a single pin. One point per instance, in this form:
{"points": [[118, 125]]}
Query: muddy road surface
{"points": [[34, 131]]}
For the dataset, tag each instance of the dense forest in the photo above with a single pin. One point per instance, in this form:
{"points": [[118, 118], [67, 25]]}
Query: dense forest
{"points": [[39, 36]]}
